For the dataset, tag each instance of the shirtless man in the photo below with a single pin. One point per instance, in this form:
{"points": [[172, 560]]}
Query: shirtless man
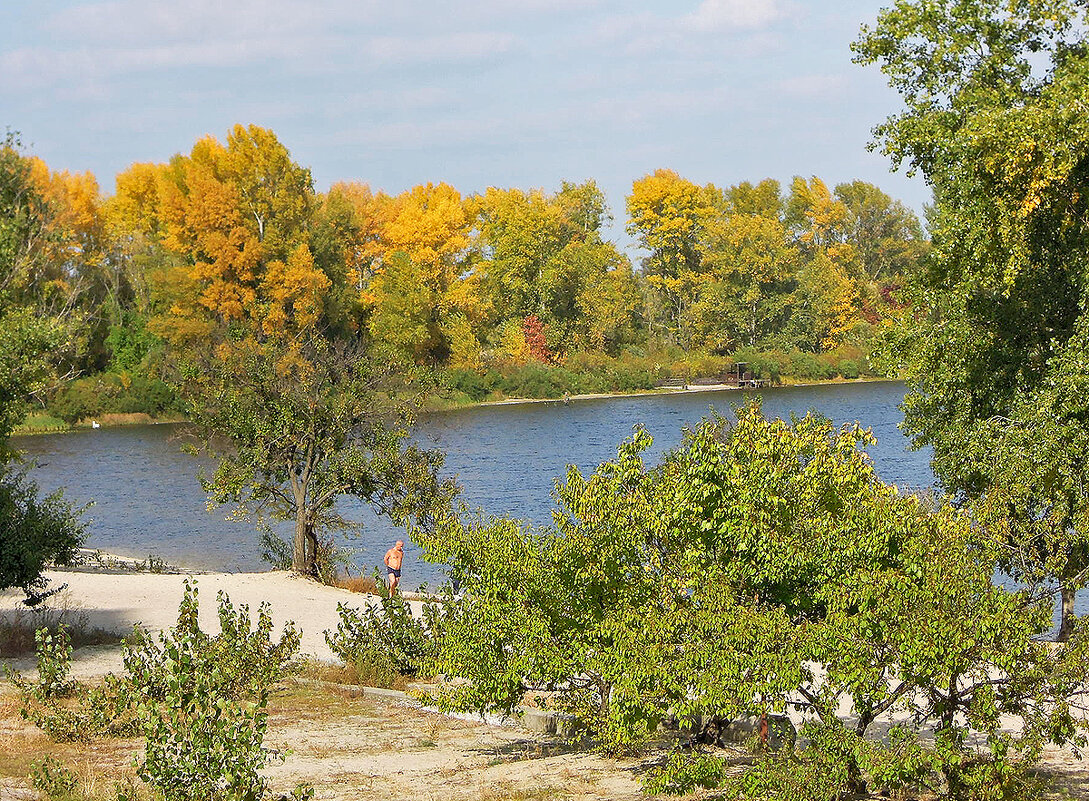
{"points": [[394, 557]]}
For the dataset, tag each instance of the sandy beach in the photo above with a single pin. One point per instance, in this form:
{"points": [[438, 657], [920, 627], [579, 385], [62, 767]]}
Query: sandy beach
{"points": [[116, 601]]}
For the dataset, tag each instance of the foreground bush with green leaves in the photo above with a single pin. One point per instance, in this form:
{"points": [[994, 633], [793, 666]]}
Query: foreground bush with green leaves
{"points": [[199, 700], [763, 568], [383, 643]]}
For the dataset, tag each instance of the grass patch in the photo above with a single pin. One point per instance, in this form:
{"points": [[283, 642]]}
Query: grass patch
{"points": [[18, 626], [507, 791], [41, 424], [298, 701], [361, 584], [360, 674]]}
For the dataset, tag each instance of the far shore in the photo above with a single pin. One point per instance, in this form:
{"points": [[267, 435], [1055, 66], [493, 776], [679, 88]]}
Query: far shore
{"points": [[691, 388], [119, 420]]}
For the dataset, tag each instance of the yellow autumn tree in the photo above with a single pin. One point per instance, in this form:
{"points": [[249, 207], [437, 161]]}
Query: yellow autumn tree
{"points": [[73, 250], [293, 292], [827, 299], [667, 213], [417, 288], [239, 217]]}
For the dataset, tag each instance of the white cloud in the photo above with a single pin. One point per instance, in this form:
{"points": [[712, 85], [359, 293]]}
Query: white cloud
{"points": [[726, 15]]}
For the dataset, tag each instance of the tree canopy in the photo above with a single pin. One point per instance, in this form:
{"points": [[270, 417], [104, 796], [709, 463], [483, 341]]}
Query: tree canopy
{"points": [[33, 530], [762, 567], [993, 93]]}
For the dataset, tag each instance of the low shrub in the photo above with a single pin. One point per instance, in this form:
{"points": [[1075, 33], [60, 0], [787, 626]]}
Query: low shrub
{"points": [[470, 383], [384, 643], [112, 393], [244, 657], [685, 771], [55, 781], [199, 700]]}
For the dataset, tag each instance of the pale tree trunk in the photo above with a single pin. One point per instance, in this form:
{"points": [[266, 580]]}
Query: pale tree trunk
{"points": [[303, 556], [1066, 622]]}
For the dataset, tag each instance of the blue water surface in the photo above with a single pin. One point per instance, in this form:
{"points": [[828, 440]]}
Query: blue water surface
{"points": [[147, 499]]}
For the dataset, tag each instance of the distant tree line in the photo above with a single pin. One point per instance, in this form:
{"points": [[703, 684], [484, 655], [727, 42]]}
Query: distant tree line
{"points": [[481, 286]]}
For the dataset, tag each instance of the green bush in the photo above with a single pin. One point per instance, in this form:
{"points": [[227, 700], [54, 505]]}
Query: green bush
{"points": [[51, 778], [112, 393], [107, 710], [200, 701], [683, 772], [849, 369], [469, 382], [244, 658], [207, 715], [536, 380], [203, 745], [383, 642], [33, 531], [54, 664], [771, 365], [808, 366]]}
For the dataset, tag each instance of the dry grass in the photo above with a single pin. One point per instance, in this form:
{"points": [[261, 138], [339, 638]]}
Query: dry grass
{"points": [[360, 584], [98, 765], [17, 630], [351, 746], [357, 674], [506, 791]]}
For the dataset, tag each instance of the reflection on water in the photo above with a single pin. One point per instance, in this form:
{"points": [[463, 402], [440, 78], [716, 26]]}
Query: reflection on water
{"points": [[147, 499]]}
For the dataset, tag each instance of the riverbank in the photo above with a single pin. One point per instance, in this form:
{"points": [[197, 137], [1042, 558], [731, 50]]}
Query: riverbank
{"points": [[683, 390], [47, 424], [44, 424], [112, 601]]}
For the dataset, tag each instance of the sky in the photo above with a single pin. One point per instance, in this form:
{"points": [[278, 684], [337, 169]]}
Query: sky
{"points": [[477, 93]]}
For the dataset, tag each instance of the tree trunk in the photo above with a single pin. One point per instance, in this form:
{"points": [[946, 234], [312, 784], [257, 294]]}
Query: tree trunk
{"points": [[302, 557], [1066, 622]]}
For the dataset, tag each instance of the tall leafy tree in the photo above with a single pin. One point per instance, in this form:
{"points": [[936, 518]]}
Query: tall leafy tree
{"points": [[667, 213], [756, 266], [418, 287], [239, 217], [993, 118], [542, 254], [33, 529], [296, 424], [886, 235]]}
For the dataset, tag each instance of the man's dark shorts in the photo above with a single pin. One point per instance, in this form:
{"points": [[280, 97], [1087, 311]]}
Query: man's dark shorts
{"points": [[393, 572]]}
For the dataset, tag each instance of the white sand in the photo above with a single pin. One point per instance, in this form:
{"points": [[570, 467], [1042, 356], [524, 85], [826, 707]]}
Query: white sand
{"points": [[116, 602]]}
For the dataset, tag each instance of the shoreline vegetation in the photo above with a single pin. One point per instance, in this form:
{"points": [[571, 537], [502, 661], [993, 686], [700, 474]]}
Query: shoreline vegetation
{"points": [[44, 423]]}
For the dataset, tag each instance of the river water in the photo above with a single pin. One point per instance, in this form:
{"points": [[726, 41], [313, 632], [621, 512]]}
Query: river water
{"points": [[147, 499]]}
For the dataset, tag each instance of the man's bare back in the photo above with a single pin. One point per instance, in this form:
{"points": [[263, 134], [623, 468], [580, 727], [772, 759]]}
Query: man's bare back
{"points": [[394, 557]]}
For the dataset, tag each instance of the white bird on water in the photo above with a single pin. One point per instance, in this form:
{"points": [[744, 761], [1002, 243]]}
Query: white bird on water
{"points": [[94, 424]]}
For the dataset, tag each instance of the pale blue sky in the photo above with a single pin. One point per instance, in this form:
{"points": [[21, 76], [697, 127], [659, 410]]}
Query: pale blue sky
{"points": [[477, 93]]}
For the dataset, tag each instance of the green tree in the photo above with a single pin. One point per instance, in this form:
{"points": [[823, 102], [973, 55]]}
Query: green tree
{"points": [[993, 93], [885, 233], [296, 424], [33, 530], [542, 254], [718, 582]]}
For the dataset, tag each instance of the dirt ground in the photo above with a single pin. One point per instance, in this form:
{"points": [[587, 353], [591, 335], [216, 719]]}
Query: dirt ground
{"points": [[347, 745], [350, 746]]}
